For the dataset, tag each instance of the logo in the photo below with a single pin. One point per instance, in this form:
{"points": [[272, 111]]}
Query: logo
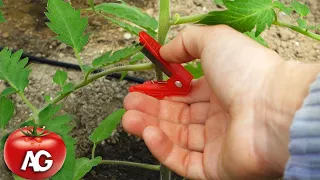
{"points": [[35, 155], [33, 161]]}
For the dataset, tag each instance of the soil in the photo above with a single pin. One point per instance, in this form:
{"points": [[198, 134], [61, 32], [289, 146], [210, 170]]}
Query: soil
{"points": [[25, 29]]}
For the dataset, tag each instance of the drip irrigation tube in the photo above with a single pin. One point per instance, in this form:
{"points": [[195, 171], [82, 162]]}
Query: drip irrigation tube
{"points": [[75, 67]]}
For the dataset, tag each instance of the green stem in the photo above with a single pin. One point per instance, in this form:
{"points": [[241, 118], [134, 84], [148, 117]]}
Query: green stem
{"points": [[77, 54], [187, 19], [138, 67], [164, 26], [133, 164], [298, 29], [93, 150], [34, 110]]}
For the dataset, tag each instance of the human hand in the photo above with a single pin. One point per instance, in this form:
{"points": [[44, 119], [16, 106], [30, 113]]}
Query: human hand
{"points": [[235, 122]]}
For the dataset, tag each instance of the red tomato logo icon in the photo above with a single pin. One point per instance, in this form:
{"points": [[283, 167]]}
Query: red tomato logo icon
{"points": [[34, 155]]}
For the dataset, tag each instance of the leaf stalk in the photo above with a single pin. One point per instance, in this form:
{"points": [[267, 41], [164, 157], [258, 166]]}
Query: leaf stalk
{"points": [[298, 29], [34, 110], [133, 164], [138, 67]]}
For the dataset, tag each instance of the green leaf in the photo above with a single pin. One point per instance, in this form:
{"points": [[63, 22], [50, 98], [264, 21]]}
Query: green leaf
{"points": [[195, 70], [111, 58], [15, 177], [27, 123], [243, 15], [218, 2], [69, 87], [300, 8], [303, 24], [46, 114], [282, 7], [86, 68], [60, 77], [126, 26], [59, 124], [106, 127], [3, 140], [13, 70], [67, 23], [6, 111], [2, 19], [123, 75], [259, 39], [91, 4], [84, 165], [67, 170], [8, 91], [129, 13], [139, 56], [47, 98]]}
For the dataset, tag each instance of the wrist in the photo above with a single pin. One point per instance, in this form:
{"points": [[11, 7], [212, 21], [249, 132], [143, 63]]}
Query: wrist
{"points": [[288, 86]]}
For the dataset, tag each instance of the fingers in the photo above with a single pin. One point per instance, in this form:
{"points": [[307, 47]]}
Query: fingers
{"points": [[187, 46], [176, 112], [190, 137], [185, 163]]}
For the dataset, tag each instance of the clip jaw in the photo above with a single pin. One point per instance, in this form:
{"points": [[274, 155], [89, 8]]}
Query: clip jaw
{"points": [[179, 78]]}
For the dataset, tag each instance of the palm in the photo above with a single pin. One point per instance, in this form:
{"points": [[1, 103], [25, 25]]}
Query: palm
{"points": [[194, 143]]}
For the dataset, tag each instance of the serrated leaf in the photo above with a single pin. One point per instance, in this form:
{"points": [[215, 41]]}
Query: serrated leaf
{"points": [[69, 87], [46, 114], [8, 91], [303, 24], [84, 165], [218, 2], [243, 15], [13, 70], [259, 39], [67, 23], [3, 140], [106, 127], [60, 77], [2, 19], [126, 26], [282, 7], [139, 56], [67, 170], [111, 58], [300, 8], [129, 13], [59, 124], [6, 111], [195, 69]]}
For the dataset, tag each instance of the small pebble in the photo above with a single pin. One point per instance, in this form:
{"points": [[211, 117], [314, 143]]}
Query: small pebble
{"points": [[127, 36]]}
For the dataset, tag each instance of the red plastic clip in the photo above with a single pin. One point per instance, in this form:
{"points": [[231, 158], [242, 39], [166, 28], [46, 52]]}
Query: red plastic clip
{"points": [[179, 82]]}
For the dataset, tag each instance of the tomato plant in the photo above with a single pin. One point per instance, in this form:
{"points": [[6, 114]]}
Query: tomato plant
{"points": [[250, 17], [27, 139]]}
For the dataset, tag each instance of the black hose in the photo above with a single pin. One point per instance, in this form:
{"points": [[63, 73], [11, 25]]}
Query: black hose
{"points": [[75, 67]]}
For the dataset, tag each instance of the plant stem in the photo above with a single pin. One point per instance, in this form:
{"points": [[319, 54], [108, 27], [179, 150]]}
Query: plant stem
{"points": [[164, 26], [298, 29], [77, 54], [93, 150], [34, 110], [138, 67], [126, 163], [187, 19]]}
